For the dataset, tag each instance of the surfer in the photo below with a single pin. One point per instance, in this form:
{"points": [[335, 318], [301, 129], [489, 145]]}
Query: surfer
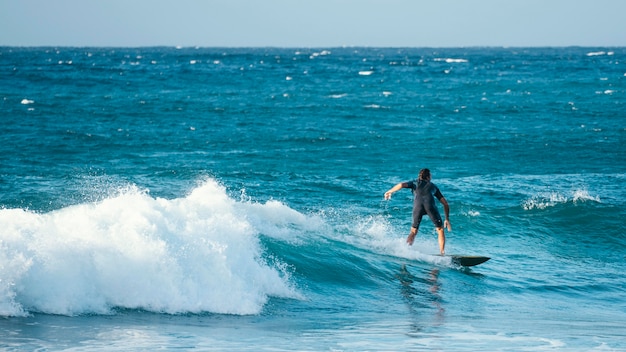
{"points": [[424, 194]]}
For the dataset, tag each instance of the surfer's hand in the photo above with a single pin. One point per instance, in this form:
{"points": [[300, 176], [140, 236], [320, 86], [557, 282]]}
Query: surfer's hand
{"points": [[446, 224]]}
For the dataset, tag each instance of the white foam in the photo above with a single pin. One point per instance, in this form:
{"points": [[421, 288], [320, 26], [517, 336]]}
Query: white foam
{"points": [[316, 54], [376, 234], [27, 101], [450, 60], [551, 199], [582, 195], [366, 73], [200, 253]]}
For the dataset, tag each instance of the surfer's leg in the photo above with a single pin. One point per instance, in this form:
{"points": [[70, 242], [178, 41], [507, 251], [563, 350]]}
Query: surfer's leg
{"points": [[435, 217], [418, 212], [442, 240], [412, 235]]}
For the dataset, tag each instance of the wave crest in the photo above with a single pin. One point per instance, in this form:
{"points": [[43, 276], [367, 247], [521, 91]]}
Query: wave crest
{"points": [[547, 200], [194, 254]]}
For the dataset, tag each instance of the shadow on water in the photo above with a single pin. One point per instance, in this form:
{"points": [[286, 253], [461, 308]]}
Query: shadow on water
{"points": [[422, 298]]}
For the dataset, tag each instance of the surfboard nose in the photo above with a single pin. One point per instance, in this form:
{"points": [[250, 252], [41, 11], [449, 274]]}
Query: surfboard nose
{"points": [[468, 260]]}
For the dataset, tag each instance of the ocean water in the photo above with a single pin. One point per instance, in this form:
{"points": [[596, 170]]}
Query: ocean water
{"points": [[232, 199]]}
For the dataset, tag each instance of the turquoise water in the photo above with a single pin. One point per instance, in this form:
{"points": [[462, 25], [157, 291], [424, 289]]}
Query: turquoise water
{"points": [[232, 199]]}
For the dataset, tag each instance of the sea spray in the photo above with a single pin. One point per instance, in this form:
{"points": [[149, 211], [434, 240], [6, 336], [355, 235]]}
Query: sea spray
{"points": [[192, 254]]}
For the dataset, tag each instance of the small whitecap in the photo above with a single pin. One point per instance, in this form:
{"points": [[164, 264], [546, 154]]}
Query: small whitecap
{"points": [[321, 53], [609, 91], [288, 78], [596, 53], [338, 96], [27, 101], [450, 60], [387, 93], [582, 195], [193, 62], [365, 73]]}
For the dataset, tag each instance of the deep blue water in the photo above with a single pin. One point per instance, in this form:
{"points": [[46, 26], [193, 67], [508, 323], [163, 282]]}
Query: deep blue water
{"points": [[219, 199]]}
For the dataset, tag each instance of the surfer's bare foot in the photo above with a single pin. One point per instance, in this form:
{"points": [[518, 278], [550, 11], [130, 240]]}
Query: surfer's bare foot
{"points": [[411, 238]]}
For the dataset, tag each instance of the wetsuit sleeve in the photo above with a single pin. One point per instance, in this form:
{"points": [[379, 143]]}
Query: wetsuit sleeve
{"points": [[409, 184], [438, 194]]}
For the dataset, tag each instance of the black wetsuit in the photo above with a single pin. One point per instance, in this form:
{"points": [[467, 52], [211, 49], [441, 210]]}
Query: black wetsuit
{"points": [[424, 194]]}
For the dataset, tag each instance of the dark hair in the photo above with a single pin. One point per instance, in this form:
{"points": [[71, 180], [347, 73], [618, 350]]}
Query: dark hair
{"points": [[424, 174]]}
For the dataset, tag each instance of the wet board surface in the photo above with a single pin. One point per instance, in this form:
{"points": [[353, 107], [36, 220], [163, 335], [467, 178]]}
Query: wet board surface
{"points": [[468, 260]]}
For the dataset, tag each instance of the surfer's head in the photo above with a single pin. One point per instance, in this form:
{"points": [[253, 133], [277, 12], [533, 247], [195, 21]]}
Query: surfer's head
{"points": [[424, 175]]}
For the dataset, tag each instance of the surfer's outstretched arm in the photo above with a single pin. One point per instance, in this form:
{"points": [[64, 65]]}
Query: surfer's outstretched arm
{"points": [[394, 189]]}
